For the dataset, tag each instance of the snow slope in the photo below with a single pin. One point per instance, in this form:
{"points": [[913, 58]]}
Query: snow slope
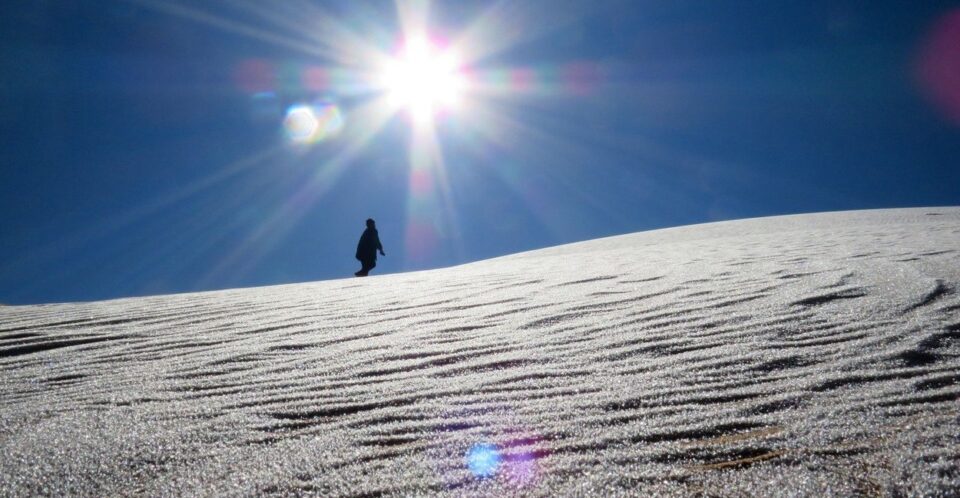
{"points": [[800, 355]]}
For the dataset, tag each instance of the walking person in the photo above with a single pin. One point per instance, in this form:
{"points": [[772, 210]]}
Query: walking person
{"points": [[367, 248]]}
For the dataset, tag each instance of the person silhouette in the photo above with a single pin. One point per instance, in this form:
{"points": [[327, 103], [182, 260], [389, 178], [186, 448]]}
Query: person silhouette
{"points": [[367, 248]]}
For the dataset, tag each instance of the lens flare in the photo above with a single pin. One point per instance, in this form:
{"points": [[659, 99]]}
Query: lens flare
{"points": [[265, 107], [483, 459], [309, 124], [939, 65], [522, 79], [581, 78], [521, 470], [255, 76], [315, 78]]}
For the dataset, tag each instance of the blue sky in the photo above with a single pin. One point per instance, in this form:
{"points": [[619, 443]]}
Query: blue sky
{"points": [[145, 146]]}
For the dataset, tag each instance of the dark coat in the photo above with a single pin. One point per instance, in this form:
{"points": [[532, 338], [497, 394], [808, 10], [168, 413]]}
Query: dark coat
{"points": [[369, 245]]}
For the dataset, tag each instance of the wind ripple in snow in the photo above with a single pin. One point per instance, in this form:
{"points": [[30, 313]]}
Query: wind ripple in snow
{"points": [[809, 355]]}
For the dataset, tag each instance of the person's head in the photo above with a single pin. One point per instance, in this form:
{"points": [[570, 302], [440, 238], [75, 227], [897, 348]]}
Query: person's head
{"points": [[370, 223]]}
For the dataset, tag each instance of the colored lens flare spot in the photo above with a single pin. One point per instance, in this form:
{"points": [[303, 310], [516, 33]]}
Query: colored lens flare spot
{"points": [[483, 459], [255, 76], [522, 79], [581, 78], [939, 65], [315, 78], [521, 471], [421, 183], [309, 124]]}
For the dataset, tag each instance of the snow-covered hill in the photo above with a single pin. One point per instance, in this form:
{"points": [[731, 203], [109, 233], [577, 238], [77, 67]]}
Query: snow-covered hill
{"points": [[809, 355]]}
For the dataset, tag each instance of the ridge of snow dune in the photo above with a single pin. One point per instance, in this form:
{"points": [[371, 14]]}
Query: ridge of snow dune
{"points": [[798, 355]]}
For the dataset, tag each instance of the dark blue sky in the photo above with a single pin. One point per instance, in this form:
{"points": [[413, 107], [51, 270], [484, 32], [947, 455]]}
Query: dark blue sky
{"points": [[142, 147]]}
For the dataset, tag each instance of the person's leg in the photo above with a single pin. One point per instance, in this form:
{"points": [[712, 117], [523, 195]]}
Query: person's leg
{"points": [[367, 266]]}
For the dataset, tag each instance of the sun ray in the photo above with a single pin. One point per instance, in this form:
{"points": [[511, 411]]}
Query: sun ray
{"points": [[509, 23], [207, 226], [371, 118], [449, 208], [427, 77], [345, 46], [233, 26], [431, 212], [501, 127], [115, 224], [414, 15]]}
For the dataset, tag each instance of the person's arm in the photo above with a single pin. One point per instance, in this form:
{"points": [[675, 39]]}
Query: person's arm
{"points": [[380, 246]]}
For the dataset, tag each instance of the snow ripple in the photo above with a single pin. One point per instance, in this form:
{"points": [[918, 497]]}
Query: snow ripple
{"points": [[801, 355]]}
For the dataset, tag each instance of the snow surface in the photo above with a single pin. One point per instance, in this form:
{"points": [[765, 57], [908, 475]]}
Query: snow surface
{"points": [[800, 355]]}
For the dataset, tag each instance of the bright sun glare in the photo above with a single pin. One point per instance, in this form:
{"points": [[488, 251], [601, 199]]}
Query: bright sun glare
{"points": [[423, 79], [343, 106]]}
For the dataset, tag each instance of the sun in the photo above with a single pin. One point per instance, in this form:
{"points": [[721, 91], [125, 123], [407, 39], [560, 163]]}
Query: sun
{"points": [[424, 79]]}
